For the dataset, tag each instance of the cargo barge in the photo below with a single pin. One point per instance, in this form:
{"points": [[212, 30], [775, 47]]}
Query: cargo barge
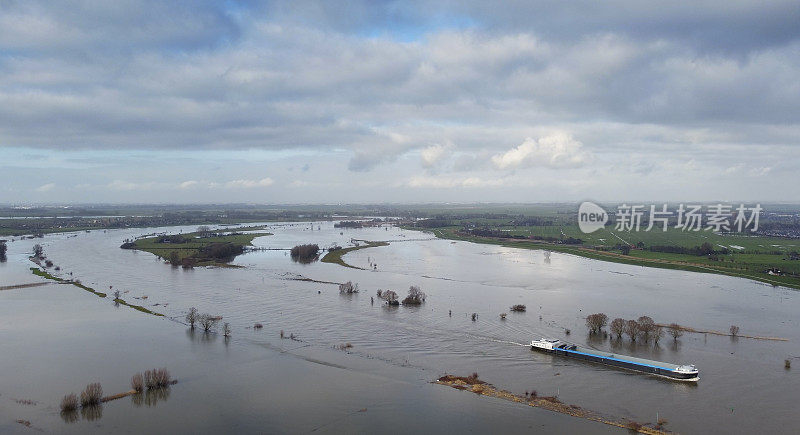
{"points": [[686, 373]]}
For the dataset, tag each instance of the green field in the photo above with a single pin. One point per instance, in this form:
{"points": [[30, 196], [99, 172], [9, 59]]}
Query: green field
{"points": [[336, 256], [759, 253], [192, 249]]}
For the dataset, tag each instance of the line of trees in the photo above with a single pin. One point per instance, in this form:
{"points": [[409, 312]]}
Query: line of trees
{"points": [[644, 328]]}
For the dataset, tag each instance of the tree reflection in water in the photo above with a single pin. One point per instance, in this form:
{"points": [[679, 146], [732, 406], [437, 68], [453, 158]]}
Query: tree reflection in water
{"points": [[151, 397], [91, 413]]}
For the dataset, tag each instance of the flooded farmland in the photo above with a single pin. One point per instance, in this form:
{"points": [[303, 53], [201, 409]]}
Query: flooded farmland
{"points": [[250, 381]]}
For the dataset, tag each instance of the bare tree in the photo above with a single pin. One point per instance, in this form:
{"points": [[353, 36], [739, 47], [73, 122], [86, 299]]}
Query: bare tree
{"points": [[203, 230], [675, 331], [734, 330], [38, 251], [596, 322], [658, 332], [632, 329], [226, 329], [618, 327], [191, 317], [646, 327], [207, 322]]}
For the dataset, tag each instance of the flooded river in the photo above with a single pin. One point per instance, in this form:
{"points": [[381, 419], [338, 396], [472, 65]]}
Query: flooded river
{"points": [[57, 338]]}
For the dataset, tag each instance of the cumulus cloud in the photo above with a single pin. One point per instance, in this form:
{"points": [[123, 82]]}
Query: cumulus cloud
{"points": [[46, 187], [248, 184], [434, 154], [559, 150], [187, 184]]}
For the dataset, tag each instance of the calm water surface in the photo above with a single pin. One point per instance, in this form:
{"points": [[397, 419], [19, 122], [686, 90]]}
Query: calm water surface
{"points": [[257, 381]]}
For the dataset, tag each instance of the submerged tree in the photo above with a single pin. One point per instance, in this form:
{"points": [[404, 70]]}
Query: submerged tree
{"points": [[617, 327], [3, 249], [646, 327], [207, 321], [38, 251], [675, 331], [226, 329], [191, 317], [348, 288], [632, 329], [658, 332], [389, 296], [596, 322], [734, 330], [305, 253]]}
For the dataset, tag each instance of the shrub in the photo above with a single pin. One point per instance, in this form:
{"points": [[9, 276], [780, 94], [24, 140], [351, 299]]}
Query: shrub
{"points": [[157, 378], [787, 363], [415, 296], [389, 296], [348, 288], [69, 403], [137, 382], [518, 308], [258, 326], [734, 330], [92, 395]]}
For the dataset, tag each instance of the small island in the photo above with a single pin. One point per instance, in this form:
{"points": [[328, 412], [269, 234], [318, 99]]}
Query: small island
{"points": [[200, 248]]}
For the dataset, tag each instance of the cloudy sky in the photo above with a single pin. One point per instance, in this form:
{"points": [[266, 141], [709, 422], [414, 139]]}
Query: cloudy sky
{"points": [[407, 101]]}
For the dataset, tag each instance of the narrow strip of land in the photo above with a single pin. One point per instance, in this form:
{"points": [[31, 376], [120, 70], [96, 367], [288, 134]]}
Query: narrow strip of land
{"points": [[335, 256], [16, 286]]}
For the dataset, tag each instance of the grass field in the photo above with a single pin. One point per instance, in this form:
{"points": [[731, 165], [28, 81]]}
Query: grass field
{"points": [[750, 262], [192, 248], [336, 256]]}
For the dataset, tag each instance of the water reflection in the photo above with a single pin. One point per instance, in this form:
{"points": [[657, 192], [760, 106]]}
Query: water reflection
{"points": [[91, 413], [69, 416], [197, 336], [151, 397]]}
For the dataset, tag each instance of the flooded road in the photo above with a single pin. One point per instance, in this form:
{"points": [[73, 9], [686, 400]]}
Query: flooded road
{"points": [[255, 381]]}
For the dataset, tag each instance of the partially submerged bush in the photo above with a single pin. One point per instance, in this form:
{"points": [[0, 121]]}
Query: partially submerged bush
{"points": [[389, 296], [69, 403], [157, 378], [137, 382], [305, 253], [415, 296], [518, 308], [348, 288], [734, 330], [92, 395], [258, 326], [226, 329], [675, 331]]}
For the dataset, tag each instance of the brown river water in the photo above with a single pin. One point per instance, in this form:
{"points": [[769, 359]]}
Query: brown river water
{"points": [[57, 338]]}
